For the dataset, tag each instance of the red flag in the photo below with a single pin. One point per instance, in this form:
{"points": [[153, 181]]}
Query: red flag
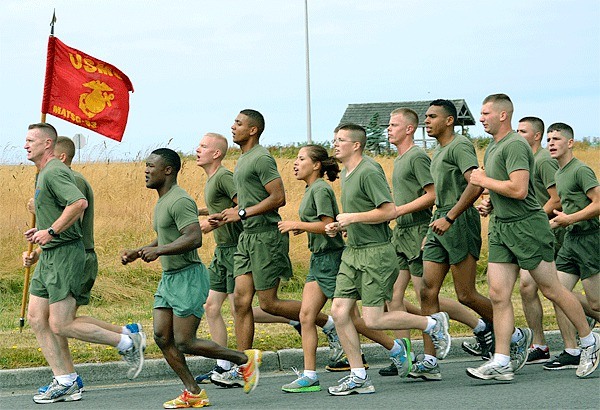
{"points": [[85, 91]]}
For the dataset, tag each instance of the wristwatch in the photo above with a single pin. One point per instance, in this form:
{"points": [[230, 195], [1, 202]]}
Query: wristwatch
{"points": [[52, 233], [242, 214]]}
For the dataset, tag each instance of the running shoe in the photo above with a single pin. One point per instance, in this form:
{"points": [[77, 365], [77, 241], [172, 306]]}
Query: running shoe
{"points": [[205, 378], [439, 334], [424, 369], [352, 384], [298, 328], [57, 392], [589, 358], [250, 370], [188, 400], [473, 348], [302, 384], [231, 378], [519, 350], [390, 370], [402, 360], [335, 348], [591, 322], [538, 355], [134, 356], [134, 327], [78, 380], [491, 371], [563, 361], [485, 340], [343, 365]]}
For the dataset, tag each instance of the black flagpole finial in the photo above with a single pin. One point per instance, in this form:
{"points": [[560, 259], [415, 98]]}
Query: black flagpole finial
{"points": [[52, 22]]}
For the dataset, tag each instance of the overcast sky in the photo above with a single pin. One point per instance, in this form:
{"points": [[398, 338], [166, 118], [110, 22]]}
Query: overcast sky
{"points": [[195, 64]]}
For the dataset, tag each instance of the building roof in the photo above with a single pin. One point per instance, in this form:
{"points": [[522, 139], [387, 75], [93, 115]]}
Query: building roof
{"points": [[361, 114]]}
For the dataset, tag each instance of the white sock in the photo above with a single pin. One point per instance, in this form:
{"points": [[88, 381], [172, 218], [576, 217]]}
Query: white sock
{"points": [[588, 340], [480, 326], [66, 379], [573, 352], [224, 364], [125, 330], [310, 373], [329, 325], [395, 349], [125, 343], [430, 324], [541, 347], [361, 372], [501, 359], [516, 336], [429, 358]]}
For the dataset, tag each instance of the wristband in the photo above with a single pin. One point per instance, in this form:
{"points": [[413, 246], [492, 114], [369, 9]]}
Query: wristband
{"points": [[448, 219]]}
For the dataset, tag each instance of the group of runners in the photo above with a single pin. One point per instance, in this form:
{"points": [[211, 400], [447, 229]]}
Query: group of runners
{"points": [[355, 255]]}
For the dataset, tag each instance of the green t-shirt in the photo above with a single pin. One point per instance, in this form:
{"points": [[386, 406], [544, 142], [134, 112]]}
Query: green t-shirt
{"points": [[319, 200], [87, 223], [448, 165], [219, 192], [573, 181], [511, 153], [255, 169], [363, 190], [374, 162], [174, 211], [543, 176], [55, 189], [411, 175]]}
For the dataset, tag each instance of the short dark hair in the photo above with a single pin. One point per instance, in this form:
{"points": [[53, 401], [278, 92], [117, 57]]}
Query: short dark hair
{"points": [[448, 107], [563, 128], [256, 119], [47, 128], [536, 123], [66, 146], [357, 132], [170, 157]]}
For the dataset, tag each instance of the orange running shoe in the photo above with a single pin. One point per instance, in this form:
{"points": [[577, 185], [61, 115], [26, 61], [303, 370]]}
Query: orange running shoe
{"points": [[250, 370], [188, 400]]}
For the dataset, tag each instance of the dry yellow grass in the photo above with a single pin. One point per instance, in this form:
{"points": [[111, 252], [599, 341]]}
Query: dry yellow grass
{"points": [[124, 208]]}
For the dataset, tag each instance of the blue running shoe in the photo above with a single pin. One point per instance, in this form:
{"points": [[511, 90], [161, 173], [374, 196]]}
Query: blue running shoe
{"points": [[57, 392], [134, 327], [78, 380], [402, 359]]}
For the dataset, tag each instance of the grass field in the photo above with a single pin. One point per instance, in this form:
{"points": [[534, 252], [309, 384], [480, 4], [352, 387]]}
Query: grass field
{"points": [[122, 294]]}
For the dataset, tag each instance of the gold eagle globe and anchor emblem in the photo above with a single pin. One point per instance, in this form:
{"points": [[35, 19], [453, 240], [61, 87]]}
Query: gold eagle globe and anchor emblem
{"points": [[94, 102]]}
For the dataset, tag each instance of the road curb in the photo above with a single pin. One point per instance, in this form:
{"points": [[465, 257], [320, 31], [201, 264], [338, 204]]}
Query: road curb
{"points": [[157, 369]]}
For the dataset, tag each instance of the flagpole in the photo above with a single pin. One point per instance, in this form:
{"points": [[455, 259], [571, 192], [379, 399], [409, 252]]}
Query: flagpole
{"points": [[308, 114], [25, 297]]}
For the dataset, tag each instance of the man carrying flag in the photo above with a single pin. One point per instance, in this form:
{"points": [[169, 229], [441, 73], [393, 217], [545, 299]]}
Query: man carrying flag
{"points": [[57, 286]]}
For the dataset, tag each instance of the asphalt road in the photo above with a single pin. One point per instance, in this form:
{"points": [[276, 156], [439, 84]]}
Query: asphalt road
{"points": [[532, 388]]}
